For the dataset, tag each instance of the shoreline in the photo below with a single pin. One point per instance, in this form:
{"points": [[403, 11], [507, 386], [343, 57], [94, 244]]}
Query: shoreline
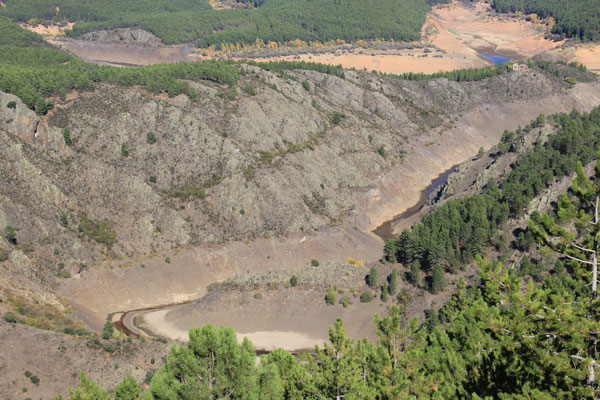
{"points": [[385, 231]]}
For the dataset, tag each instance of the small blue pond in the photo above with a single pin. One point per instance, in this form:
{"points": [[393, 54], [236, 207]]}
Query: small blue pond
{"points": [[495, 58]]}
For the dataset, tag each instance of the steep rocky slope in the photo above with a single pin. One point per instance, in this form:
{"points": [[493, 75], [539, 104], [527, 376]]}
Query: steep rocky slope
{"points": [[266, 305], [264, 161]]}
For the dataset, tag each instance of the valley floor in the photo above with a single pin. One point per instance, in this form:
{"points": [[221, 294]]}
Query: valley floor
{"points": [[100, 291], [459, 32]]}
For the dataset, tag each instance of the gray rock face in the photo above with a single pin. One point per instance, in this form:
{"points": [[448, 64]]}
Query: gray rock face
{"points": [[124, 36], [226, 168]]}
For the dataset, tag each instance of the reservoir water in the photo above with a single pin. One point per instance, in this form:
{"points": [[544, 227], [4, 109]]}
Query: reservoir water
{"points": [[497, 59]]}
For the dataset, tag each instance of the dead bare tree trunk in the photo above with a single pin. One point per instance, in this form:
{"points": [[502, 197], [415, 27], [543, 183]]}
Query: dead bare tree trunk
{"points": [[595, 254], [591, 379]]}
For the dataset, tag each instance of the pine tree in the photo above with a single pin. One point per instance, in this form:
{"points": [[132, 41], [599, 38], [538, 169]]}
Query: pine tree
{"points": [[392, 280], [389, 250], [396, 342], [128, 389], [384, 292], [87, 389], [339, 369], [212, 365], [108, 330], [438, 280], [580, 247], [372, 278], [296, 381], [67, 136], [270, 386], [415, 273]]}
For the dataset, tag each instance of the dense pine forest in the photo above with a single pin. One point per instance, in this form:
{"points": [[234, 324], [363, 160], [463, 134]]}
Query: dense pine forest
{"points": [[97, 10], [574, 19], [501, 337], [193, 21]]}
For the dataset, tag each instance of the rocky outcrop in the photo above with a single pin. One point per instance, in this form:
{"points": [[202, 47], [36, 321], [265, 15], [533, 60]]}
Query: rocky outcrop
{"points": [[123, 36]]}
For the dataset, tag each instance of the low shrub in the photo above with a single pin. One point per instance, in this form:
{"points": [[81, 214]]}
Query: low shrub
{"points": [[330, 297], [10, 318], [248, 88], [151, 138], [366, 297], [345, 301]]}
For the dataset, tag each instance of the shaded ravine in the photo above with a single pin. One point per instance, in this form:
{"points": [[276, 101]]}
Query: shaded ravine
{"points": [[386, 230]]}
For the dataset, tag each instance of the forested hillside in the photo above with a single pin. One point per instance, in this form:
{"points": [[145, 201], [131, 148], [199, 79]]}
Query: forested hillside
{"points": [[97, 10], [35, 72], [188, 21], [454, 233], [478, 74], [575, 18]]}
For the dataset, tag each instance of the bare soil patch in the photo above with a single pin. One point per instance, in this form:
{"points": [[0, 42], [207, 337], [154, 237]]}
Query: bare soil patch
{"points": [[587, 53], [48, 30], [125, 54], [58, 359], [465, 29], [406, 61], [295, 318]]}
